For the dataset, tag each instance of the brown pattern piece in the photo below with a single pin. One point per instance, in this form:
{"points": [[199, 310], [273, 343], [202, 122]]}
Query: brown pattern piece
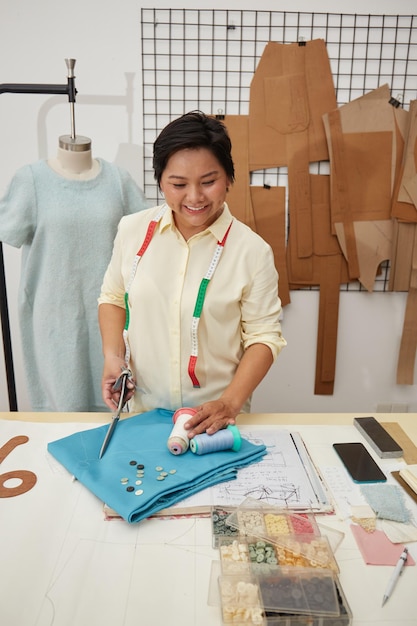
{"points": [[326, 268], [290, 91], [27, 478], [364, 150]]}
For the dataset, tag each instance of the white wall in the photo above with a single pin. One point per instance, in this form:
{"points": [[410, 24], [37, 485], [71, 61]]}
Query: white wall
{"points": [[104, 37]]}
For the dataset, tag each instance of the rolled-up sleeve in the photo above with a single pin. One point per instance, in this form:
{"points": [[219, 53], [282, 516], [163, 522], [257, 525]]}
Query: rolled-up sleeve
{"points": [[113, 288], [261, 306]]}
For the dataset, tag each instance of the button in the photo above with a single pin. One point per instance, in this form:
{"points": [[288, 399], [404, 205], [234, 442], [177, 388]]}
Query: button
{"points": [[130, 488], [159, 468], [140, 466], [124, 480], [132, 462], [138, 482], [138, 492]]}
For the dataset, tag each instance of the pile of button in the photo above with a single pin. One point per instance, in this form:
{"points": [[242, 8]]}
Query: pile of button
{"points": [[220, 528], [296, 524], [139, 477], [264, 522], [314, 552], [268, 555], [234, 556], [299, 592], [262, 552], [240, 600], [249, 522]]}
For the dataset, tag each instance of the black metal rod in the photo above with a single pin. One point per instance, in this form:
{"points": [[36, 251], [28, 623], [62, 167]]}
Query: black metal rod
{"points": [[68, 89], [7, 343]]}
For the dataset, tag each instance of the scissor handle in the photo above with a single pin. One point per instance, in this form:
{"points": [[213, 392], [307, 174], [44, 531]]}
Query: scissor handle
{"points": [[126, 373]]}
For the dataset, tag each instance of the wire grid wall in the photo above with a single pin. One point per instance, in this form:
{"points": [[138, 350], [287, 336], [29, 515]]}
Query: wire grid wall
{"points": [[205, 59]]}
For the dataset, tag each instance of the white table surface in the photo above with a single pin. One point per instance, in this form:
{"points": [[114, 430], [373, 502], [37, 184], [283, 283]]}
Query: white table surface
{"points": [[63, 565]]}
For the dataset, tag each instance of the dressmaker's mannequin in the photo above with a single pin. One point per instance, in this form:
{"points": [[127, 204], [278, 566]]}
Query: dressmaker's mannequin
{"points": [[74, 159], [64, 214]]}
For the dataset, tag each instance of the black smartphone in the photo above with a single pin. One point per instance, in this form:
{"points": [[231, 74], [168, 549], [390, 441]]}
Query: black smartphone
{"points": [[359, 463]]}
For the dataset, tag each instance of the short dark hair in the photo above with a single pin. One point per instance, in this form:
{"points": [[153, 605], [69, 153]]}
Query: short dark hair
{"points": [[193, 130]]}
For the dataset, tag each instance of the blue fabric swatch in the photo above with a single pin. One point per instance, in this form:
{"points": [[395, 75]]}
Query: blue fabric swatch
{"points": [[143, 438], [387, 502]]}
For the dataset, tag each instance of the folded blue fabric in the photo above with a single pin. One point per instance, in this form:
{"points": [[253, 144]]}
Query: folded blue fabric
{"points": [[142, 440]]}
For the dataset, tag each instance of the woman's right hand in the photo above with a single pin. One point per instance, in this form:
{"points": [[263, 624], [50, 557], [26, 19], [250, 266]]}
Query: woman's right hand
{"points": [[113, 367]]}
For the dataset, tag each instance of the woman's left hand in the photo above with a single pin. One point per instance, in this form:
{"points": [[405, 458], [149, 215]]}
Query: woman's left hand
{"points": [[211, 417]]}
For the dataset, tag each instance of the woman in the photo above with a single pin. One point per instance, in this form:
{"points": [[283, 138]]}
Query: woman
{"points": [[190, 298]]}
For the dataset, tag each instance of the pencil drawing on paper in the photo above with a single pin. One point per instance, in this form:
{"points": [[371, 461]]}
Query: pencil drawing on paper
{"points": [[280, 479]]}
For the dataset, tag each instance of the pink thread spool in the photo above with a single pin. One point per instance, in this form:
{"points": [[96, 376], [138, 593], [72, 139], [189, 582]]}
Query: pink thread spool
{"points": [[226, 439], [178, 440]]}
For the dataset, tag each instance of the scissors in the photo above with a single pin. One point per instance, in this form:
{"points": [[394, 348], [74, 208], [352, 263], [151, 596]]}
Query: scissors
{"points": [[119, 384]]}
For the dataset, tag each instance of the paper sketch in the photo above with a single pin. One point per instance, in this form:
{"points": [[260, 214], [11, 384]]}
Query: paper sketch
{"points": [[282, 478]]}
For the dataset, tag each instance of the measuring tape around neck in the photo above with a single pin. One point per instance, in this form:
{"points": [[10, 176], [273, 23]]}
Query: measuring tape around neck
{"points": [[200, 296]]}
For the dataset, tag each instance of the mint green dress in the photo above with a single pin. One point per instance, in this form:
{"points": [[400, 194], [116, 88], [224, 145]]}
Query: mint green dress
{"points": [[66, 230]]}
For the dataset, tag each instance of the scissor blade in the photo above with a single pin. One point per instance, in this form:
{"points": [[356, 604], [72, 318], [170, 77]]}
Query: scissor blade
{"points": [[109, 435], [116, 417]]}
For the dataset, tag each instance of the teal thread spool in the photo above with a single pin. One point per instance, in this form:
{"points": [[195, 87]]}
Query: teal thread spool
{"points": [[226, 439]]}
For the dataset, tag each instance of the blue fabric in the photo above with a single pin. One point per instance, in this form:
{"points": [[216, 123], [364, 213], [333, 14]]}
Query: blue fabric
{"points": [[143, 438]]}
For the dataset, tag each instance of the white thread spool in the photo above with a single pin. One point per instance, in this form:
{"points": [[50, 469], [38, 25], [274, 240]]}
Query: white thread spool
{"points": [[178, 441]]}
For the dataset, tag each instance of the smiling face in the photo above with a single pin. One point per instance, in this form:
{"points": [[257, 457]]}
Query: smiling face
{"points": [[195, 186]]}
